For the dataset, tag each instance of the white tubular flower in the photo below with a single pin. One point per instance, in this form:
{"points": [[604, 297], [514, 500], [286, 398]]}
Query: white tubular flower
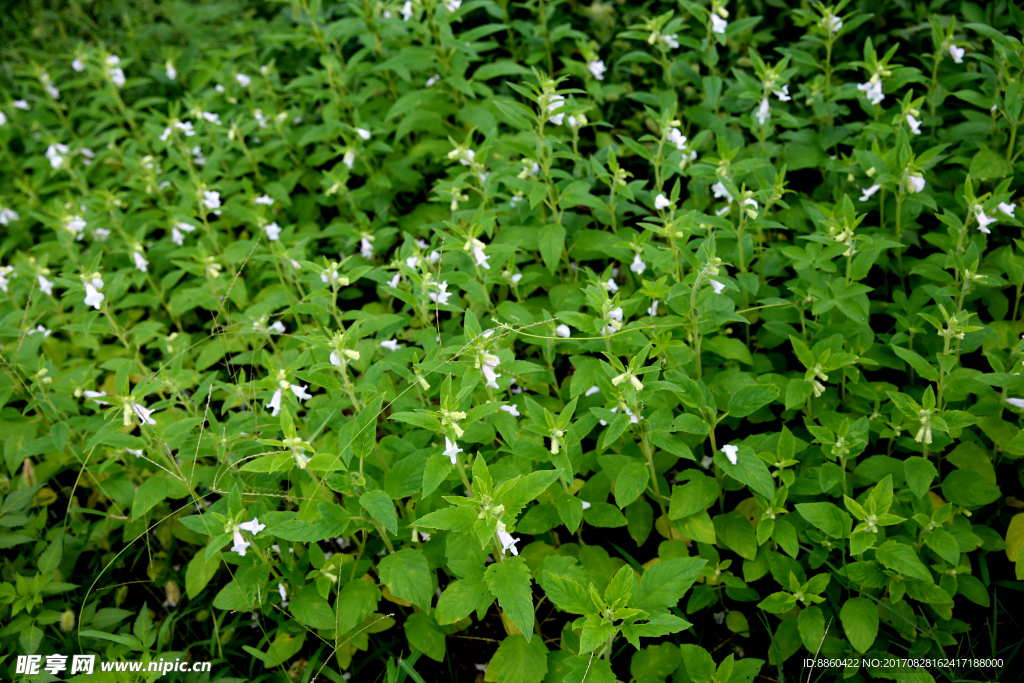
{"points": [[93, 297], [586, 505], [113, 60], [170, 71], [610, 285], [273, 231], [731, 452], [141, 263], [490, 376], [984, 220], [638, 265], [718, 24], [3, 118], [592, 390], [720, 192], [763, 112], [21, 104], [253, 527], [867, 194], [507, 542], [481, 257], [142, 412], [117, 76], [210, 117], [432, 81], [45, 285], [393, 282], [783, 94], [915, 125], [283, 593], [916, 183], [451, 449], [652, 310], [563, 331], [300, 392], [40, 328], [7, 216], [211, 199], [95, 396], [1016, 402], [366, 247], [661, 202], [671, 41], [77, 65], [442, 294], [872, 90], [265, 200], [511, 410], [391, 344], [275, 403], [407, 10], [452, 5], [243, 80], [717, 286], [1008, 209], [278, 327], [555, 103], [957, 53], [707, 461], [240, 543], [835, 24], [615, 314], [597, 68], [6, 274], [44, 78], [55, 153], [363, 133]]}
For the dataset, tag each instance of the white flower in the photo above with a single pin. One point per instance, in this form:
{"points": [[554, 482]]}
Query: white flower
{"points": [[511, 410], [295, 264], [586, 505], [720, 192], [763, 112], [117, 77], [93, 297], [21, 104], [671, 41], [873, 91], [916, 183], [391, 344], [730, 452], [44, 78], [866, 194], [265, 200], [55, 154], [563, 331], [140, 262], [94, 395], [211, 199], [783, 94], [240, 544], [102, 234], [661, 202], [8, 215], [555, 103], [275, 403], [393, 282], [718, 286], [957, 53], [718, 24], [638, 265], [1016, 402], [77, 65], [507, 542], [211, 117], [45, 285], [984, 220], [519, 276], [219, 88], [273, 231], [254, 526], [490, 376], [915, 125], [652, 310], [278, 327], [442, 294], [610, 285], [142, 412], [3, 118], [719, 618], [597, 68], [407, 10], [243, 80], [433, 257], [615, 314], [283, 593], [481, 257], [1008, 209], [452, 5], [451, 449], [592, 390], [835, 24], [170, 71], [300, 392], [365, 248], [113, 60], [349, 159], [40, 328], [432, 80], [707, 461], [363, 133]]}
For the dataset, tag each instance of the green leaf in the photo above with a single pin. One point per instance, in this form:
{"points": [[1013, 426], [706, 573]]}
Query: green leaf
{"points": [[655, 662], [461, 598], [920, 473], [310, 608], [551, 242], [509, 581], [750, 470], [380, 507], [458, 518], [827, 517], [527, 489], [944, 545], [777, 603], [736, 533], [357, 599], [664, 583], [698, 494], [518, 660], [407, 575], [631, 483], [425, 635], [812, 627], [155, 490], [143, 628], [918, 362], [604, 515], [330, 523], [902, 559], [860, 622], [751, 398], [199, 573], [969, 489]]}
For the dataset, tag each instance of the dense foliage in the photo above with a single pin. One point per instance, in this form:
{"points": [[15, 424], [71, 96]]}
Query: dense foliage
{"points": [[513, 341]]}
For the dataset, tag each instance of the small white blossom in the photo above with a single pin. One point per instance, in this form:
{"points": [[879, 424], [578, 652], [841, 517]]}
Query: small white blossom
{"points": [[915, 125], [170, 71], [984, 220], [451, 449], [142, 412], [1016, 402], [265, 200], [77, 65], [718, 286], [211, 199], [783, 94], [141, 263], [21, 104], [873, 91], [442, 294], [273, 231], [763, 112], [672, 41], [363, 133], [957, 53], [661, 202], [39, 328], [243, 80], [240, 544], [563, 331], [45, 285], [275, 403], [731, 453], [916, 182], [597, 68], [300, 392], [1008, 209], [511, 410], [391, 344], [866, 194], [592, 390], [95, 396], [407, 10], [718, 24], [507, 542], [9, 215], [639, 265], [93, 297], [55, 153]]}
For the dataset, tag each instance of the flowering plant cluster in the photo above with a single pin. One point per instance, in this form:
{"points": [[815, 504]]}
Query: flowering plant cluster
{"points": [[520, 341]]}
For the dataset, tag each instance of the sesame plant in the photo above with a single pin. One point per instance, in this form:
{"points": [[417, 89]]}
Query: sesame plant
{"points": [[525, 341]]}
